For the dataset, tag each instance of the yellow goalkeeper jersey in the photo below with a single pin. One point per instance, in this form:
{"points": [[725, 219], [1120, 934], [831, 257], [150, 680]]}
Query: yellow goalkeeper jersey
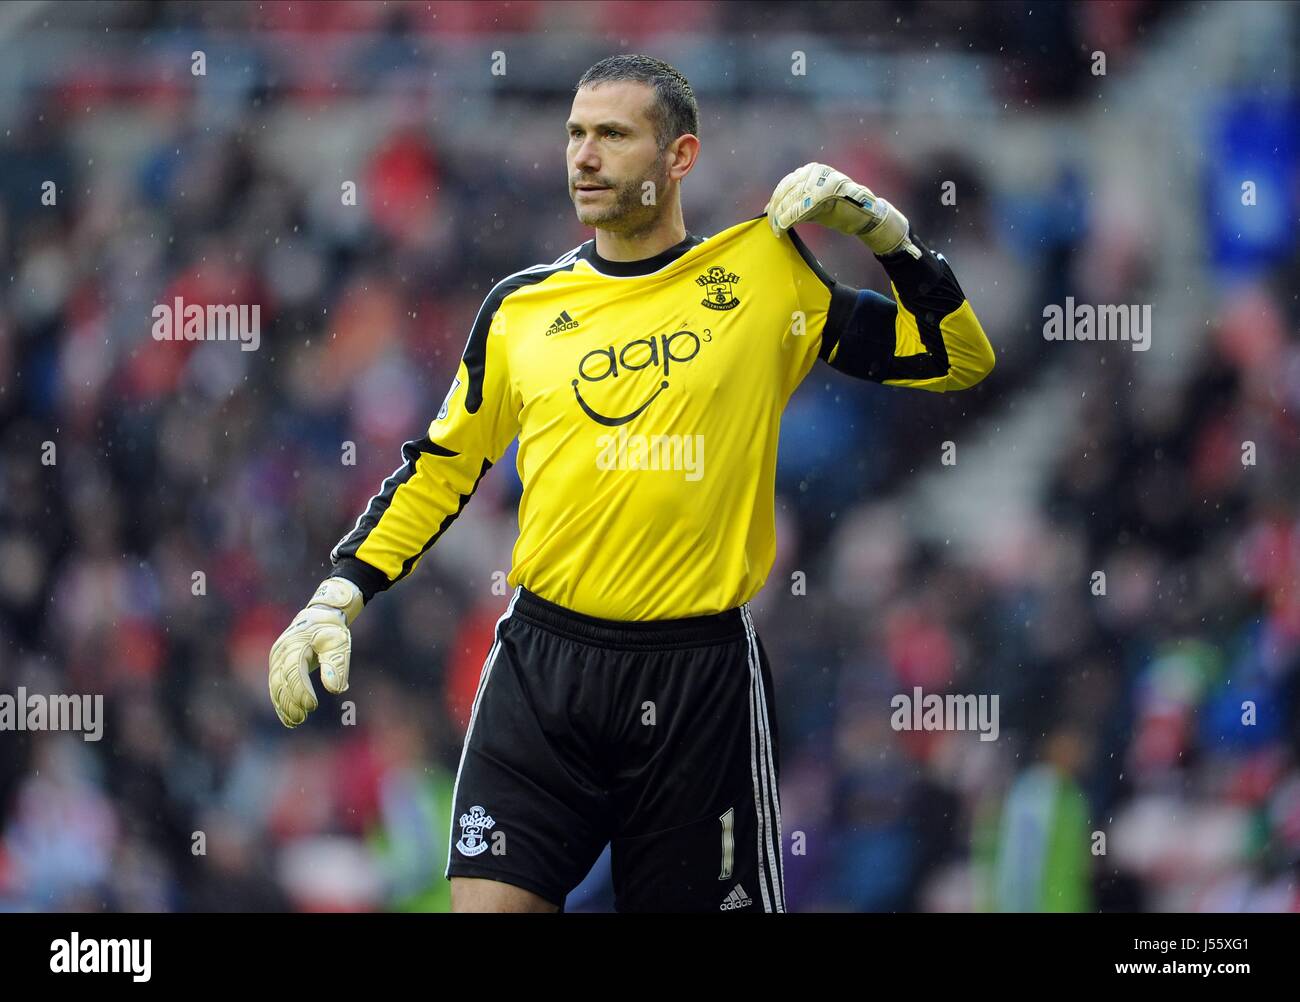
{"points": [[647, 399]]}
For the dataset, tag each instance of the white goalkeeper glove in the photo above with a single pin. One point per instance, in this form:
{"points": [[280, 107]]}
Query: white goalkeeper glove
{"points": [[317, 637], [819, 194]]}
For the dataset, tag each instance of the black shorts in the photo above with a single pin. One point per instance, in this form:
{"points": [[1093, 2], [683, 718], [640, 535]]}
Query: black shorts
{"points": [[657, 738]]}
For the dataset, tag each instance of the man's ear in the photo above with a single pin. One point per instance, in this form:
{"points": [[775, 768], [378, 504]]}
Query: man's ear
{"points": [[684, 151]]}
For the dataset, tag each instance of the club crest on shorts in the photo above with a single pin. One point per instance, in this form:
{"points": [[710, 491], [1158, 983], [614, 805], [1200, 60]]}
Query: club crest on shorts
{"points": [[472, 826]]}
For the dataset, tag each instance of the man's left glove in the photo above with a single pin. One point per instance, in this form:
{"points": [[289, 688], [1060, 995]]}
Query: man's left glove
{"points": [[819, 194], [318, 636]]}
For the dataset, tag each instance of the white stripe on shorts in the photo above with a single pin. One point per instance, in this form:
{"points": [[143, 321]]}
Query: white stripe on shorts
{"points": [[473, 713], [774, 791], [759, 758]]}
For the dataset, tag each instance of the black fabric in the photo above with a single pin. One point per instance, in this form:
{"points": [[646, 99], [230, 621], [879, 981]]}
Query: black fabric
{"points": [[864, 325], [645, 266], [587, 732]]}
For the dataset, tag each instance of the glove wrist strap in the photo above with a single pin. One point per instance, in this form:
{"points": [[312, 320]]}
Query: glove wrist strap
{"points": [[887, 232], [342, 594]]}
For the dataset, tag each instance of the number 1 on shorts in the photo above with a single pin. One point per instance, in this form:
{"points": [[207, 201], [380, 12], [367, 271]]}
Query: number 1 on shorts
{"points": [[728, 842]]}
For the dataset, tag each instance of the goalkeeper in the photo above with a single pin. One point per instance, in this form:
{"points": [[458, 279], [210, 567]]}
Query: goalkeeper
{"points": [[627, 698]]}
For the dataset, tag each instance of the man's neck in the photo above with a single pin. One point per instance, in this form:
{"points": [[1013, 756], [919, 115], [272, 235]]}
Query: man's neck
{"points": [[638, 246]]}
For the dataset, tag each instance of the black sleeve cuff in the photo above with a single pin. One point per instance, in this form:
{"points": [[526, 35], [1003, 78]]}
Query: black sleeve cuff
{"points": [[924, 284], [370, 580]]}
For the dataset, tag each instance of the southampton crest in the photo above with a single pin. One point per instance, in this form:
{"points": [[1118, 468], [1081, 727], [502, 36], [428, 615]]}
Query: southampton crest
{"points": [[472, 827], [718, 282]]}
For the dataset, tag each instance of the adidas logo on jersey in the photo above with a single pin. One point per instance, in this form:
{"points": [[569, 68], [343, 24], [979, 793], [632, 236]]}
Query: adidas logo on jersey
{"points": [[563, 322], [736, 899]]}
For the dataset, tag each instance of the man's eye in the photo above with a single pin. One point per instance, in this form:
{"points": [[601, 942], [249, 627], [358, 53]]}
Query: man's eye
{"points": [[611, 132]]}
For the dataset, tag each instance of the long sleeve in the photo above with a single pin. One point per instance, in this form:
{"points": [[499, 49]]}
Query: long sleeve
{"points": [[441, 470], [926, 338]]}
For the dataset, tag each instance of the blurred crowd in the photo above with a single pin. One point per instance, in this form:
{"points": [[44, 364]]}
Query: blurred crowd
{"points": [[167, 506]]}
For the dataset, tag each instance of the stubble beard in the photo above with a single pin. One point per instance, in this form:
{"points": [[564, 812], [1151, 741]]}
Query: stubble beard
{"points": [[628, 215]]}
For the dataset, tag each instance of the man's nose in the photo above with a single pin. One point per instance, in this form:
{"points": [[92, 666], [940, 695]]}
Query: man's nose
{"points": [[586, 158]]}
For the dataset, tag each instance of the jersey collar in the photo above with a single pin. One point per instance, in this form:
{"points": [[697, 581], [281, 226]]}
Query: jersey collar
{"points": [[627, 269]]}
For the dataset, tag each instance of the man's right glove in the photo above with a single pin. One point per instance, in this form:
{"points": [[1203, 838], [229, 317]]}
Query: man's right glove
{"points": [[317, 637]]}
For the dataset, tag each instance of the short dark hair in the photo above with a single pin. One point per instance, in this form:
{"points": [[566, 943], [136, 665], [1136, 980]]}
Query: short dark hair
{"points": [[674, 111]]}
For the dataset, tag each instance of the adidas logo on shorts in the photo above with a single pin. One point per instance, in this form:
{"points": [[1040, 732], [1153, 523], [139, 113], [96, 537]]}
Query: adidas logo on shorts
{"points": [[736, 899]]}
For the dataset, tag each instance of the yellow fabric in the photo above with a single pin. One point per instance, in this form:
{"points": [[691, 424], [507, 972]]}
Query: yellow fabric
{"points": [[647, 410]]}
